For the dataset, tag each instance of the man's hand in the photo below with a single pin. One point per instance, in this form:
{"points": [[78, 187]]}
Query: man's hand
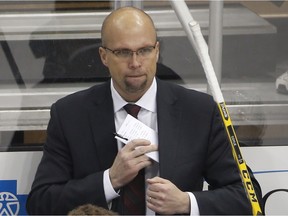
{"points": [[129, 160], [164, 197]]}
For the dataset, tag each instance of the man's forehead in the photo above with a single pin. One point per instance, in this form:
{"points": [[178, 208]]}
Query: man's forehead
{"points": [[126, 22], [128, 17]]}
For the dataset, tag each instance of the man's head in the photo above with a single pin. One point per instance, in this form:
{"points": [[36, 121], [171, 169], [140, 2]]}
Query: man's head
{"points": [[124, 30], [89, 209]]}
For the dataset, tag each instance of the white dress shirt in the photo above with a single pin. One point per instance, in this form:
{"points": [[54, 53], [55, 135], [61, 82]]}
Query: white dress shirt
{"points": [[148, 116]]}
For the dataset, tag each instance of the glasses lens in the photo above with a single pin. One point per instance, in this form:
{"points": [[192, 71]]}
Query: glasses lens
{"points": [[123, 53], [145, 51], [127, 53]]}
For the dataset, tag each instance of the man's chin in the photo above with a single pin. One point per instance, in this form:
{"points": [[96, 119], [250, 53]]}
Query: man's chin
{"points": [[136, 87]]}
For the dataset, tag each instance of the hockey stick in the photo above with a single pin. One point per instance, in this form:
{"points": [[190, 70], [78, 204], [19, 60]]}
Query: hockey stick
{"points": [[192, 29]]}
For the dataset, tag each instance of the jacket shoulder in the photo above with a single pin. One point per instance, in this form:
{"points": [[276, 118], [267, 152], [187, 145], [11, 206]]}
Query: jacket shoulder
{"points": [[93, 94]]}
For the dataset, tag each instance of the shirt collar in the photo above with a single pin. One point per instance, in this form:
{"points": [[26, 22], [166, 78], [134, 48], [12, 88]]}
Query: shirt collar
{"points": [[147, 101]]}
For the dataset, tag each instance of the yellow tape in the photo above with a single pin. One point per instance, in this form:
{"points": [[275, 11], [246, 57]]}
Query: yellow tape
{"points": [[244, 174]]}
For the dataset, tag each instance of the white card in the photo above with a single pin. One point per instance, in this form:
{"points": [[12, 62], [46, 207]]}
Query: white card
{"points": [[132, 128]]}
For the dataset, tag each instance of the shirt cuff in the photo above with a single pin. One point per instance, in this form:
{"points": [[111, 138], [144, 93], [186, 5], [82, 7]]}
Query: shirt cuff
{"points": [[109, 191], [194, 209]]}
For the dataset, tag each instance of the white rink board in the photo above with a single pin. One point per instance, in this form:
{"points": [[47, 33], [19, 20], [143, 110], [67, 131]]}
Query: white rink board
{"points": [[269, 164], [20, 166], [270, 167], [17, 173]]}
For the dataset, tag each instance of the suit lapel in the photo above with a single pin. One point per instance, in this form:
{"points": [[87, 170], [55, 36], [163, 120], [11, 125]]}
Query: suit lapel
{"points": [[102, 125], [101, 113], [168, 126]]}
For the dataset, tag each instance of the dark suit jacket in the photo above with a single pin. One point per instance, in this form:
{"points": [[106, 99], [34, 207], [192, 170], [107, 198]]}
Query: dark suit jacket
{"points": [[192, 147]]}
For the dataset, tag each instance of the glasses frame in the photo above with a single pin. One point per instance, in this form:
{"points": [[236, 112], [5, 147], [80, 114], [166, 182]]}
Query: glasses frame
{"points": [[131, 51]]}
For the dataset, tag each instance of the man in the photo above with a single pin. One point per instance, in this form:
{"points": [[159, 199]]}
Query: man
{"points": [[83, 163]]}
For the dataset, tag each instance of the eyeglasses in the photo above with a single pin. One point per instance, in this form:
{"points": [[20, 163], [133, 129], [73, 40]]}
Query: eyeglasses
{"points": [[125, 54]]}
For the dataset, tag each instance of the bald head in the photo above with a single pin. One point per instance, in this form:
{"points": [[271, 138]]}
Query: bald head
{"points": [[126, 20]]}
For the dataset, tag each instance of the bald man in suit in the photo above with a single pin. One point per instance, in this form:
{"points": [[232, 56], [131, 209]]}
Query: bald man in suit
{"points": [[83, 162]]}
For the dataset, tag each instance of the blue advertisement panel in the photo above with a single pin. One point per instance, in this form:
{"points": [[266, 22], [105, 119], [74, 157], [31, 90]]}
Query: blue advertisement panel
{"points": [[11, 203], [17, 173]]}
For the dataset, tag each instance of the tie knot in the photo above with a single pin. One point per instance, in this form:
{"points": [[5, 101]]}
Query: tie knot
{"points": [[132, 109]]}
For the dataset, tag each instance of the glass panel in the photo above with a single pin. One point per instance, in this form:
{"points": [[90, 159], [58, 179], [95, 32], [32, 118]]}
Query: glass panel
{"points": [[50, 49]]}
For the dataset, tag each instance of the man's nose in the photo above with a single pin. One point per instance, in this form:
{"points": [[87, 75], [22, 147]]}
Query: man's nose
{"points": [[135, 60]]}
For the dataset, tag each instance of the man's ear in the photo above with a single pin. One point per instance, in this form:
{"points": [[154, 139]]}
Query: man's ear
{"points": [[103, 56], [158, 50]]}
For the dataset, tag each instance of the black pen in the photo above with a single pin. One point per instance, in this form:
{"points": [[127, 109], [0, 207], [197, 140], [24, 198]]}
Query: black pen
{"points": [[120, 136]]}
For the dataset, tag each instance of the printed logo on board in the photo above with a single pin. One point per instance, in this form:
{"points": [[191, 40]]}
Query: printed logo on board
{"points": [[11, 203]]}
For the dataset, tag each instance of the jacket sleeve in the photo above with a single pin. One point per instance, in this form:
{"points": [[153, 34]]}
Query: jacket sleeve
{"points": [[226, 194], [56, 188]]}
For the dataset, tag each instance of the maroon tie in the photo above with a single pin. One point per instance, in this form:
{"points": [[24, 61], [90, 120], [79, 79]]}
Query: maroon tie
{"points": [[134, 191], [132, 109]]}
